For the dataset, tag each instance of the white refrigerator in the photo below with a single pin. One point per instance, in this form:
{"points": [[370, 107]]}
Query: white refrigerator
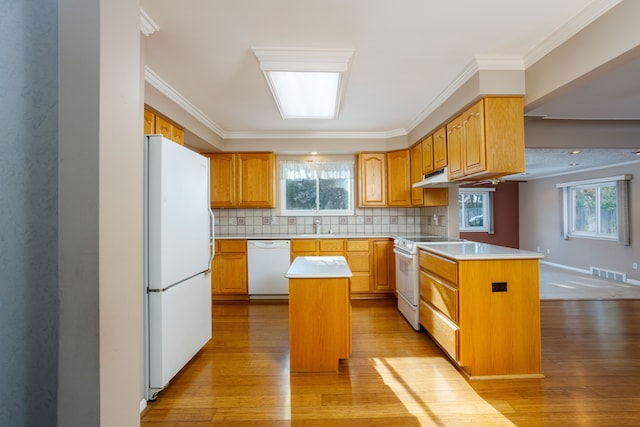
{"points": [[178, 254]]}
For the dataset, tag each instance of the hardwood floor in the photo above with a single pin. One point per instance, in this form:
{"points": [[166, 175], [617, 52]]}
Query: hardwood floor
{"points": [[399, 377]]}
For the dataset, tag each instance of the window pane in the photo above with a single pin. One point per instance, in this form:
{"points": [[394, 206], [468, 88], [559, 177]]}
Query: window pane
{"points": [[585, 210], [472, 210], [608, 210], [334, 194], [301, 194]]}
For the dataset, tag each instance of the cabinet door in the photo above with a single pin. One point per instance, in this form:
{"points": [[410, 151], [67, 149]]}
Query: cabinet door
{"points": [[416, 174], [383, 266], [474, 152], [163, 127], [440, 148], [149, 122], [427, 154], [372, 179], [223, 181], [454, 148], [256, 175], [229, 273], [398, 178], [177, 135]]}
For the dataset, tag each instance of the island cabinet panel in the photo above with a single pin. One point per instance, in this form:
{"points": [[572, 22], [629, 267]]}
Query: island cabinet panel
{"points": [[319, 323], [484, 313], [503, 327], [229, 270]]}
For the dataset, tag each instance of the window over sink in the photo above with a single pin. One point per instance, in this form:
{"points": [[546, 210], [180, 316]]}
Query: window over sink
{"points": [[317, 187]]}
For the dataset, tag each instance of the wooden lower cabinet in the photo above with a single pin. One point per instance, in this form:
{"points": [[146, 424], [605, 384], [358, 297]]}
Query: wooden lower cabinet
{"points": [[485, 314], [371, 261], [229, 270]]}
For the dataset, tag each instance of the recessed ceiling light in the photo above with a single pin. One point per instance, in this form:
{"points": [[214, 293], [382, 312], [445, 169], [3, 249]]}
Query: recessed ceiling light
{"points": [[305, 83], [574, 152], [574, 164], [637, 153], [314, 153]]}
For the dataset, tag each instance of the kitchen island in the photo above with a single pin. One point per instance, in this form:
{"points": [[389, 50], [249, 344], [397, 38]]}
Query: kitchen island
{"points": [[481, 304], [319, 313]]}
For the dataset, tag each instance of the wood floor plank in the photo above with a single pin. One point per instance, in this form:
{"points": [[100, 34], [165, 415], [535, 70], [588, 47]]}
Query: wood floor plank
{"points": [[399, 377]]}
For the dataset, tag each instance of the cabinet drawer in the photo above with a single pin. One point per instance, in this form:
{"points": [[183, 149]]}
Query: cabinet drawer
{"points": [[232, 245], [443, 267], [440, 294], [358, 245], [443, 330], [332, 245], [303, 245], [359, 261]]}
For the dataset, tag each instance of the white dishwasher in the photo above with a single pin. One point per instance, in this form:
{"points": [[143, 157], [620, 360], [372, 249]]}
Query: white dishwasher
{"points": [[268, 262]]}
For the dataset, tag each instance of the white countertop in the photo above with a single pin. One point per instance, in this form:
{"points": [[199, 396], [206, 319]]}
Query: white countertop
{"points": [[475, 251], [311, 267]]}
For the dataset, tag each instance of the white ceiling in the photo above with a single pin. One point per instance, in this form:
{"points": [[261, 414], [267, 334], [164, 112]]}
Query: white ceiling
{"points": [[407, 55]]}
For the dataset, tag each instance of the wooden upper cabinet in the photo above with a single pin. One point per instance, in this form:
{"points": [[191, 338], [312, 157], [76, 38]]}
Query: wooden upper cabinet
{"points": [[156, 124], [222, 171], [149, 122], [439, 149], [372, 179], [416, 174], [257, 174], [487, 140], [454, 148], [398, 178], [427, 155], [242, 180]]}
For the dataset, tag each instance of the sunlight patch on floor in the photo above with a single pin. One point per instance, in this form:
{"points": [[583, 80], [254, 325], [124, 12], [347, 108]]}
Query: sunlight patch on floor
{"points": [[430, 397]]}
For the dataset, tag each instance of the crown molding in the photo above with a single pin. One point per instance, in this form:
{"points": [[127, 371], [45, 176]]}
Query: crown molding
{"points": [[568, 30], [147, 25], [167, 90], [480, 62]]}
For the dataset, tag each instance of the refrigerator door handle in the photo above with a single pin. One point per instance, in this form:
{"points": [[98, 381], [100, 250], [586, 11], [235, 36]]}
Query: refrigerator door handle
{"points": [[212, 249]]}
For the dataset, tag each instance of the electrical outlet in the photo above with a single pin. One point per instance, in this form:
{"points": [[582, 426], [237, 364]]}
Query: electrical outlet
{"points": [[548, 251], [635, 265]]}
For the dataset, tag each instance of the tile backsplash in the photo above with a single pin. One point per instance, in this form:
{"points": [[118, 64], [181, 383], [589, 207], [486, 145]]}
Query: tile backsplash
{"points": [[400, 221]]}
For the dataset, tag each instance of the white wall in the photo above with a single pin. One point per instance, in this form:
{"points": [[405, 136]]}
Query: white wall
{"points": [[100, 213]]}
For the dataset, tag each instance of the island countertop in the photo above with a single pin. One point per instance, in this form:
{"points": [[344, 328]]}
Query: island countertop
{"points": [[467, 250], [309, 267]]}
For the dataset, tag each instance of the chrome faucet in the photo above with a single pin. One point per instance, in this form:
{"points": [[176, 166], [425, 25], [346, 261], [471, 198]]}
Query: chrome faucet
{"points": [[316, 226]]}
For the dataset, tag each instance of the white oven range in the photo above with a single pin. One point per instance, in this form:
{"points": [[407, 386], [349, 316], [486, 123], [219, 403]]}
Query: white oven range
{"points": [[408, 274]]}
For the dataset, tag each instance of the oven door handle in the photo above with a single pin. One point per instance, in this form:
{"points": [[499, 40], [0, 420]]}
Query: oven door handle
{"points": [[402, 254]]}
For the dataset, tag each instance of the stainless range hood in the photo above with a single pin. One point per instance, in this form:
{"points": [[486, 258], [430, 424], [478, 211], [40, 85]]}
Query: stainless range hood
{"points": [[436, 179]]}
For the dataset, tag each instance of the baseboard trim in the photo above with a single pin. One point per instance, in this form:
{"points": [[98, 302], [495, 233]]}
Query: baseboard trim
{"points": [[566, 267], [587, 272], [143, 405]]}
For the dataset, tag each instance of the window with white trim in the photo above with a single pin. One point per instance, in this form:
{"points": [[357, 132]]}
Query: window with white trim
{"points": [[317, 187], [475, 209], [596, 209]]}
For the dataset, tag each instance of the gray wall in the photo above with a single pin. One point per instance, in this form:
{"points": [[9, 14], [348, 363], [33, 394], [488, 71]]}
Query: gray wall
{"points": [[28, 212], [540, 215]]}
